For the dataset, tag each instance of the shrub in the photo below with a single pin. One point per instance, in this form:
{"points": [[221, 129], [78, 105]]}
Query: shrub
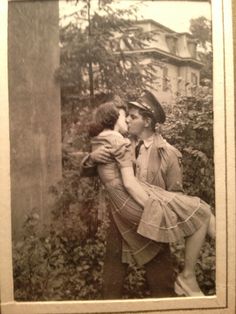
{"points": [[189, 127], [63, 261]]}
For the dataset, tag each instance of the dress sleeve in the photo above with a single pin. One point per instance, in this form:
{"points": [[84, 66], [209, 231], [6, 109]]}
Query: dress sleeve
{"points": [[122, 152]]}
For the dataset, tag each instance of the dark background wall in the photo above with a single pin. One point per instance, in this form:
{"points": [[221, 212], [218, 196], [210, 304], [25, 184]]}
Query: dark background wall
{"points": [[34, 97]]}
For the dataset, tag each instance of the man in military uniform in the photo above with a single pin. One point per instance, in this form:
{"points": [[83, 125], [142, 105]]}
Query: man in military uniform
{"points": [[158, 163]]}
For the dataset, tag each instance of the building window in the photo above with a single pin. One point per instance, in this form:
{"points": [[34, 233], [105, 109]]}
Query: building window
{"points": [[171, 43], [192, 48], [194, 83], [194, 79], [165, 79]]}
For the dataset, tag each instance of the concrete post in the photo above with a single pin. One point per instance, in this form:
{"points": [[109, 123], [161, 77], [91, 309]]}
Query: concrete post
{"points": [[34, 101]]}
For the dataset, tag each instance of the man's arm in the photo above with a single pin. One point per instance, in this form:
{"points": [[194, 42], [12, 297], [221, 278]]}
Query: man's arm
{"points": [[174, 174], [132, 186], [88, 165]]}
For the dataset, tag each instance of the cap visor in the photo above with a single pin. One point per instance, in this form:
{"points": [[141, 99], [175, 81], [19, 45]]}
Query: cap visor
{"points": [[136, 104]]}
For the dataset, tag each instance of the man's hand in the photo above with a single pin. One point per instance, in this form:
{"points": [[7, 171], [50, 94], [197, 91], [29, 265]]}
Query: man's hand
{"points": [[101, 155]]}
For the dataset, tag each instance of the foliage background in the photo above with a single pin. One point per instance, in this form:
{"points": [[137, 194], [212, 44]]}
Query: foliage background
{"points": [[64, 259]]}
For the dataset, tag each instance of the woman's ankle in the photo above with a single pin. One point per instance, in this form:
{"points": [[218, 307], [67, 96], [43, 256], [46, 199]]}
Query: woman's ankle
{"points": [[189, 280], [186, 274]]}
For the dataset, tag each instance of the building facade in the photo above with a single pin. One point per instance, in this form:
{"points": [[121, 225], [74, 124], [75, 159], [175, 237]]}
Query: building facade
{"points": [[175, 60]]}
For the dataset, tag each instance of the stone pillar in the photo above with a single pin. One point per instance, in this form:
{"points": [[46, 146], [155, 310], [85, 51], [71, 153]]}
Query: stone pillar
{"points": [[34, 104]]}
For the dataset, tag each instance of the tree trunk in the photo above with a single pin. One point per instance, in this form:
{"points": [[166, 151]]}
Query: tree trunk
{"points": [[91, 88]]}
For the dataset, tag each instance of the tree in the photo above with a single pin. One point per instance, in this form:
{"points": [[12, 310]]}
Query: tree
{"points": [[97, 51], [201, 29]]}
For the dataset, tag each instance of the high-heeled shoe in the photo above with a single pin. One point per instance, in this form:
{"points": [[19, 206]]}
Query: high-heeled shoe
{"points": [[181, 288]]}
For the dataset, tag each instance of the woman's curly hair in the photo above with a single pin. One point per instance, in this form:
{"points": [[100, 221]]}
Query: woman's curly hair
{"points": [[106, 117]]}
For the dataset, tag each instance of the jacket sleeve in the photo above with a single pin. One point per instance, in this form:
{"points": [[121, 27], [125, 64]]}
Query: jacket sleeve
{"points": [[174, 174], [87, 167]]}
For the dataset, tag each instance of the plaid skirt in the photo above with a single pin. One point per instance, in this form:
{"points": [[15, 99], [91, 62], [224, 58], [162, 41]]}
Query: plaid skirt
{"points": [[166, 217]]}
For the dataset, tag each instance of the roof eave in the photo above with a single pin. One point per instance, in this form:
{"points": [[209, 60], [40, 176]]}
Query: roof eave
{"points": [[172, 58]]}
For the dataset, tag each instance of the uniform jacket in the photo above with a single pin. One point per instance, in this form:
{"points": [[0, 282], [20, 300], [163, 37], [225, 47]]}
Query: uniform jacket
{"points": [[164, 165]]}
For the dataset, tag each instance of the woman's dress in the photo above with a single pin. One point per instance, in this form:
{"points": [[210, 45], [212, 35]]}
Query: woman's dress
{"points": [[166, 217]]}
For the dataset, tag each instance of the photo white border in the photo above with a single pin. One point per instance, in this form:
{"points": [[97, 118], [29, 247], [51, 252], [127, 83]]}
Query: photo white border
{"points": [[224, 147]]}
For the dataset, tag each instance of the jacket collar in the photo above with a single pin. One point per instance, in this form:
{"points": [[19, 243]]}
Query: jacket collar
{"points": [[148, 141], [159, 141], [156, 139]]}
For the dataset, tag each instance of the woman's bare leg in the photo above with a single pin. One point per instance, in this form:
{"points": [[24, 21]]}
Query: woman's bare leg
{"points": [[212, 227], [193, 246]]}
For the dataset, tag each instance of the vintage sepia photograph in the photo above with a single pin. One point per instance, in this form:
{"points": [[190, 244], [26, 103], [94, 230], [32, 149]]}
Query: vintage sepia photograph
{"points": [[117, 193]]}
